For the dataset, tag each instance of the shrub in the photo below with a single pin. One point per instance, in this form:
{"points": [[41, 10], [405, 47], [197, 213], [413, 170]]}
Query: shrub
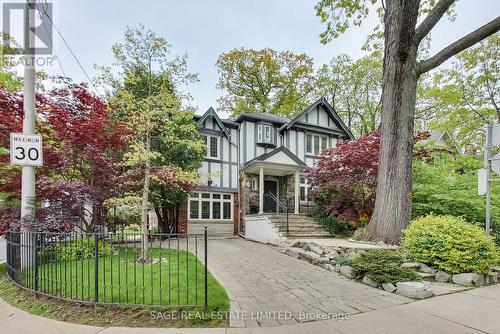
{"points": [[82, 249], [451, 244], [132, 228], [383, 266], [335, 226]]}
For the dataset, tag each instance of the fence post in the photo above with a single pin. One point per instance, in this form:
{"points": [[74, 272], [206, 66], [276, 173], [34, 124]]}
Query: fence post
{"points": [[35, 260], [9, 261], [96, 267], [206, 268]]}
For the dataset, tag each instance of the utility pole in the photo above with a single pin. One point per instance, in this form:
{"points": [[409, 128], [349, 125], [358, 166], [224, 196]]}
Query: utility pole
{"points": [[487, 166], [28, 172]]}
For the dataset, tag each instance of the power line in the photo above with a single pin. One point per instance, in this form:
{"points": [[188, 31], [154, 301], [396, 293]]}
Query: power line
{"points": [[51, 41], [70, 50]]}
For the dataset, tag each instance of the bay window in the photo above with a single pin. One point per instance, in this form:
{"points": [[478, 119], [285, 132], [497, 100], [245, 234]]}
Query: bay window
{"points": [[265, 134]]}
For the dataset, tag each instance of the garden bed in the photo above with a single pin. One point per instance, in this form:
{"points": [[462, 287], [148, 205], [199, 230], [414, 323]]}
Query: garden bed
{"points": [[386, 269]]}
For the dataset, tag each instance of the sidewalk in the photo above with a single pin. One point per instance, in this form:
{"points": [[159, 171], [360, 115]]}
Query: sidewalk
{"points": [[473, 311]]}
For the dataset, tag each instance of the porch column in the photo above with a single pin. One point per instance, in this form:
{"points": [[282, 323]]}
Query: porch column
{"points": [[261, 190], [297, 192]]}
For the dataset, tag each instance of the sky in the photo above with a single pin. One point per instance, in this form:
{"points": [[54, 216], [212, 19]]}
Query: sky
{"points": [[205, 29]]}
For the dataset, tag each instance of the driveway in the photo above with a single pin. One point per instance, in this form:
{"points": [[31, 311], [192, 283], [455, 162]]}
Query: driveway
{"points": [[266, 287]]}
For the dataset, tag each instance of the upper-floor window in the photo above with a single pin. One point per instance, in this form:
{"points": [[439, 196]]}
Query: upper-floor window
{"points": [[265, 134], [315, 144], [212, 143]]}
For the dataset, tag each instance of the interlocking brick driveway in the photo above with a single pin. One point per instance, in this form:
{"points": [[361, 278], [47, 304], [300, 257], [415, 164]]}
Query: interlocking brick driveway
{"points": [[259, 278]]}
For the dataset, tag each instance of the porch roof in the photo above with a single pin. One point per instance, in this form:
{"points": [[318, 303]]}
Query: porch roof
{"points": [[278, 162]]}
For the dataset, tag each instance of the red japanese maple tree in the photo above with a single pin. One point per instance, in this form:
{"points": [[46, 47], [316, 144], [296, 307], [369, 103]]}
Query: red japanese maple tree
{"points": [[344, 179], [81, 147]]}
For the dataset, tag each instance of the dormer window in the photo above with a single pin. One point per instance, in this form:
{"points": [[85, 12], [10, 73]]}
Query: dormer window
{"points": [[266, 135]]}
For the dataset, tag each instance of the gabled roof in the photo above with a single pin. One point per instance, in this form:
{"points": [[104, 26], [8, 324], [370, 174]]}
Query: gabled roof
{"points": [[211, 113], [329, 110], [436, 137], [266, 156]]}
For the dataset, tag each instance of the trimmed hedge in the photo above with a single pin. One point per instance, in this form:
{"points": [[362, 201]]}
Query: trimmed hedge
{"points": [[450, 244]]}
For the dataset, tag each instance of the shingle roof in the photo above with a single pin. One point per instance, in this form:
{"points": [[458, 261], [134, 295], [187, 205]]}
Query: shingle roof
{"points": [[264, 116]]}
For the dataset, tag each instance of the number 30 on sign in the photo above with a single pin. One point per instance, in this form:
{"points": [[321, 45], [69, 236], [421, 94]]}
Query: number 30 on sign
{"points": [[26, 150]]}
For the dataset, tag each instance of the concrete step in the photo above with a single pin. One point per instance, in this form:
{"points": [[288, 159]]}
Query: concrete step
{"points": [[308, 235]]}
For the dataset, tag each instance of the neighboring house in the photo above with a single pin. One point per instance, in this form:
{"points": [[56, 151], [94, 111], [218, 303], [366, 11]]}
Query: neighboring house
{"points": [[257, 162], [443, 140]]}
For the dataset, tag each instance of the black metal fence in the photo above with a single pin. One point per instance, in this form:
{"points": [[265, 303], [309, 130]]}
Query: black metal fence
{"points": [[112, 268]]}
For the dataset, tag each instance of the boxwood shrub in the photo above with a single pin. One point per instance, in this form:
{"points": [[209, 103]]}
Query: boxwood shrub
{"points": [[450, 243], [383, 266], [81, 249]]}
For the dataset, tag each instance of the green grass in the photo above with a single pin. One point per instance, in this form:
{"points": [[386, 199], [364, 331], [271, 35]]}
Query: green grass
{"points": [[179, 281], [101, 315]]}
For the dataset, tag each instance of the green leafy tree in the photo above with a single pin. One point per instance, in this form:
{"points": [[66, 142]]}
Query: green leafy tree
{"points": [[265, 81], [402, 40], [9, 80], [464, 98], [145, 95], [353, 87]]}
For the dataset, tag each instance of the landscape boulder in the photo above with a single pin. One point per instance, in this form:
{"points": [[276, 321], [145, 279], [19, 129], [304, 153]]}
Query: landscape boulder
{"points": [[442, 276], [309, 256], [332, 254], [411, 265], [389, 287], [416, 290], [368, 281], [426, 269], [492, 277], [314, 247], [320, 260], [294, 252], [468, 279], [347, 271]]}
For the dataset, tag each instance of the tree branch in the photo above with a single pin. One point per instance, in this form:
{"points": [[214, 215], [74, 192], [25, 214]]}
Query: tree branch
{"points": [[458, 46], [432, 18]]}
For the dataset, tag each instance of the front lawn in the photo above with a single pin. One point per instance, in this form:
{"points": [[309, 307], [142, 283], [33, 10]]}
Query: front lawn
{"points": [[176, 280], [75, 279]]}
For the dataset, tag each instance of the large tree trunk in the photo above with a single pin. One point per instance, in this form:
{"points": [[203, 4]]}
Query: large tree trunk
{"points": [[392, 210]]}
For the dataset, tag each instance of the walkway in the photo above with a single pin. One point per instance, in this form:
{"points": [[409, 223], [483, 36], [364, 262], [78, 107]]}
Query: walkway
{"points": [[260, 279], [473, 311]]}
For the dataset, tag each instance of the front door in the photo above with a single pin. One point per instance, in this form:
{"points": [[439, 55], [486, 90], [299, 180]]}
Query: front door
{"points": [[270, 187]]}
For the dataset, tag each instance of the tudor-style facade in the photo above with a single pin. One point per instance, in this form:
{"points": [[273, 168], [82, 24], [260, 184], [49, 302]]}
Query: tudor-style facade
{"points": [[255, 164]]}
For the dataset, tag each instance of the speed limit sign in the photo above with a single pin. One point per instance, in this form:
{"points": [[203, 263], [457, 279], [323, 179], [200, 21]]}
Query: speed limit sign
{"points": [[26, 150]]}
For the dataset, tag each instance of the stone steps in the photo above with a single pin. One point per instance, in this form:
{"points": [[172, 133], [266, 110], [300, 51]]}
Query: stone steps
{"points": [[299, 226]]}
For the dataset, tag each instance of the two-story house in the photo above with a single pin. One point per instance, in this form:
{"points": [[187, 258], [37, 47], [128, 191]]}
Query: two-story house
{"points": [[255, 165]]}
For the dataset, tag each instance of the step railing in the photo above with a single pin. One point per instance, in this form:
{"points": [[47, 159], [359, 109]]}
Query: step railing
{"points": [[283, 206]]}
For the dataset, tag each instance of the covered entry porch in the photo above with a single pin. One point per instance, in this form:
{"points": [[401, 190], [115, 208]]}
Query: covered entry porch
{"points": [[271, 182]]}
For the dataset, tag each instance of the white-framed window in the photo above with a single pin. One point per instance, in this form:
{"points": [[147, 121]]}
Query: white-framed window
{"points": [[254, 184], [315, 144], [265, 133], [210, 206], [212, 143], [304, 190]]}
